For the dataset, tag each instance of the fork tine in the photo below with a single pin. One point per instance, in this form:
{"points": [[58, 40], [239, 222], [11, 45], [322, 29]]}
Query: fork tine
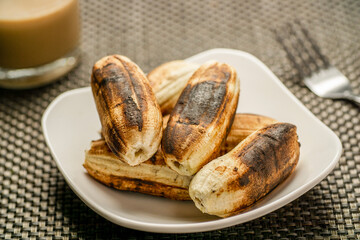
{"points": [[313, 44], [287, 50], [292, 50], [302, 50]]}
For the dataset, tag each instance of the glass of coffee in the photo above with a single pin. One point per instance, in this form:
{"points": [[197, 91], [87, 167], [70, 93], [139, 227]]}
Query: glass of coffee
{"points": [[38, 41]]}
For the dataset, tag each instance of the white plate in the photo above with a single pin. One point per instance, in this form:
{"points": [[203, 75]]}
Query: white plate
{"points": [[71, 122]]}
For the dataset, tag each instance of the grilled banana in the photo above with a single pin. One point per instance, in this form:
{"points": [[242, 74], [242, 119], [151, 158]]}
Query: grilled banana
{"points": [[130, 116], [168, 80], [201, 118], [229, 184], [154, 176]]}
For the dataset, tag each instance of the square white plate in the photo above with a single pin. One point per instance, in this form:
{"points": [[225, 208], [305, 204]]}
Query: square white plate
{"points": [[71, 122]]}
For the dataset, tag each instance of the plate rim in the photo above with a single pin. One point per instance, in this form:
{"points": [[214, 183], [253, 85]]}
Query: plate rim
{"points": [[207, 225]]}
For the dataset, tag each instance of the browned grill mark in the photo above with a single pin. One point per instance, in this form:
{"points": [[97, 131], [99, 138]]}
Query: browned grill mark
{"points": [[175, 135], [141, 186], [239, 181], [117, 84], [262, 155], [228, 129], [203, 104], [114, 143], [132, 111], [169, 135], [244, 179], [111, 132], [200, 103], [144, 186]]}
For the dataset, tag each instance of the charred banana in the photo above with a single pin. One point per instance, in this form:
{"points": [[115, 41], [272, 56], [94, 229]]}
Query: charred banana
{"points": [[231, 183], [152, 177], [201, 118], [130, 116]]}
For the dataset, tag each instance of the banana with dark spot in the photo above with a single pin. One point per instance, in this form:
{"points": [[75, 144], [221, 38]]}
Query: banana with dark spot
{"points": [[233, 182], [129, 113], [201, 118]]}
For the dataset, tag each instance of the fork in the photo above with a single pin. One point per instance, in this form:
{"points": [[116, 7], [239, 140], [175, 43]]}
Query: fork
{"points": [[314, 68]]}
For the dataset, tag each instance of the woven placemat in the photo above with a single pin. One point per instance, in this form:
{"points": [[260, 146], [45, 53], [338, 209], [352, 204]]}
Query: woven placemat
{"points": [[36, 203]]}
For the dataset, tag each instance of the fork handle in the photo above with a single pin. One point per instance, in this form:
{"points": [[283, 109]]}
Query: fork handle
{"points": [[350, 96]]}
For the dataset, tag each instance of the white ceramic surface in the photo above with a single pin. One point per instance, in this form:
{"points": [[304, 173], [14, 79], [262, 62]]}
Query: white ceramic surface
{"points": [[71, 122]]}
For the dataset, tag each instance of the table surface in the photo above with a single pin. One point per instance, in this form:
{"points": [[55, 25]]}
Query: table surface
{"points": [[36, 202]]}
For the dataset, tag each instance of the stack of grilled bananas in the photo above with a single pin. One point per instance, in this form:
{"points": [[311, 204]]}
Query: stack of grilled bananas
{"points": [[175, 133]]}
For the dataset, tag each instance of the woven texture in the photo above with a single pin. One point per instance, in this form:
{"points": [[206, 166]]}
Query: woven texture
{"points": [[35, 201]]}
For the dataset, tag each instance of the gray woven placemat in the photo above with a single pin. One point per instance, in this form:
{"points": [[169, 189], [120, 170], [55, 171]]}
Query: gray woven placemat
{"points": [[36, 203]]}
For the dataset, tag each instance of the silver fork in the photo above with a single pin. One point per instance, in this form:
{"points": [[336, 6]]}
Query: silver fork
{"points": [[314, 68]]}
